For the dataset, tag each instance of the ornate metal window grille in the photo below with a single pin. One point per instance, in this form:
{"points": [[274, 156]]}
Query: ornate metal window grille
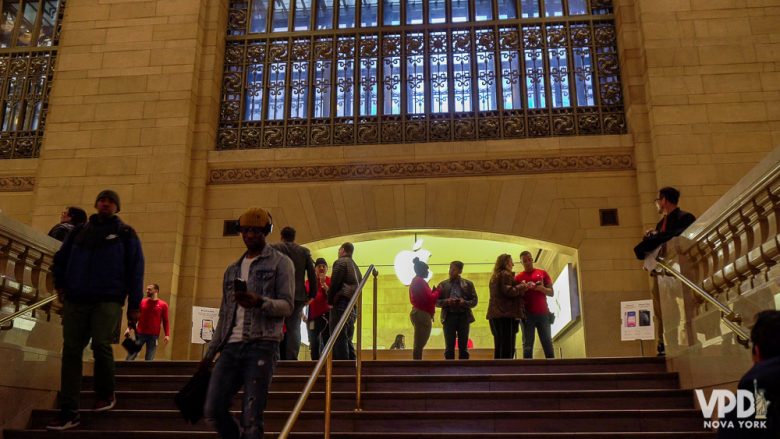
{"points": [[435, 70], [29, 32]]}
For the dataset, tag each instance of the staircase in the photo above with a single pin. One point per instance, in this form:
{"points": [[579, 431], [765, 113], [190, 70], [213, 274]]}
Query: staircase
{"points": [[580, 398]]}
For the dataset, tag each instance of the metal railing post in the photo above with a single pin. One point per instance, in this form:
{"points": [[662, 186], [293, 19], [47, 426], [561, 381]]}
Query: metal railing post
{"points": [[374, 317], [328, 391], [359, 354]]}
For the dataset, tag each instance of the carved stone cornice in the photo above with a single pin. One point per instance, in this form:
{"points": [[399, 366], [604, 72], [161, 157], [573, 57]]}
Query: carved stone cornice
{"points": [[424, 169], [16, 184]]}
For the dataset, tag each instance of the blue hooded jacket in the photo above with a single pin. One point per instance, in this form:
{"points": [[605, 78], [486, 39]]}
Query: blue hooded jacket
{"points": [[101, 261]]}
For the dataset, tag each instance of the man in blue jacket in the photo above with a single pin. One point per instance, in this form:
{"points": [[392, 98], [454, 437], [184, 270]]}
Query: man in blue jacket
{"points": [[98, 267]]}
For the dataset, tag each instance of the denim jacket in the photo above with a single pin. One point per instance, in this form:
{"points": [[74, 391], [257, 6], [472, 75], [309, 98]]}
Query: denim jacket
{"points": [[272, 276]]}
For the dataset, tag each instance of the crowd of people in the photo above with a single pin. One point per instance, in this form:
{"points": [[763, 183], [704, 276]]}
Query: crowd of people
{"points": [[100, 266]]}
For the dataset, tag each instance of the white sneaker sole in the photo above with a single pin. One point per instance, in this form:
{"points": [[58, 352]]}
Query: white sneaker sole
{"points": [[106, 408], [66, 426]]}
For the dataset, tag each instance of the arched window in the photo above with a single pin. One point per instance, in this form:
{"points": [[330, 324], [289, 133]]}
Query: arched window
{"points": [[339, 72], [29, 31]]}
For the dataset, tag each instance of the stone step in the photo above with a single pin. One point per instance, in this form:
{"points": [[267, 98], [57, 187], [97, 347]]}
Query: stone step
{"points": [[85, 434], [424, 401], [433, 367], [471, 421], [433, 383]]}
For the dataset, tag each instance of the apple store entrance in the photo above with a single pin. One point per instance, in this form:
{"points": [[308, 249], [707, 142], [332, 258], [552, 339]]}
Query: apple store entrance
{"points": [[392, 253]]}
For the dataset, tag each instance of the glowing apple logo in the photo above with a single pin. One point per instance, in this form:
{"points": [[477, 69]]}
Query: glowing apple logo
{"points": [[404, 265]]}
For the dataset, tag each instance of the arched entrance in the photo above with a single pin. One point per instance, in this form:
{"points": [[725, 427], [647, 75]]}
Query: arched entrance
{"points": [[392, 252]]}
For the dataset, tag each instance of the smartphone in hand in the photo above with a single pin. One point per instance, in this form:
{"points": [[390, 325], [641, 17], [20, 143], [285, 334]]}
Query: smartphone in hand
{"points": [[239, 285]]}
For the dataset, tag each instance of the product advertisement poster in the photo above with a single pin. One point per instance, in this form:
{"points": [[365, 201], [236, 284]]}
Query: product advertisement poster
{"points": [[636, 319], [204, 321]]}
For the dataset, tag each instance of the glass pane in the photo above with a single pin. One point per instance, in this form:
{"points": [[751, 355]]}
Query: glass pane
{"points": [[302, 14], [415, 74], [530, 8], [461, 68], [345, 78], [460, 11], [437, 12], [439, 75], [324, 14], [10, 11], [48, 22], [553, 8], [281, 14], [368, 87], [346, 14], [253, 106], [510, 80], [578, 7], [391, 10], [368, 13], [259, 16], [414, 12], [276, 88], [299, 87], [559, 77], [483, 9], [506, 9], [391, 75], [486, 71], [583, 76], [24, 35], [534, 73], [322, 88]]}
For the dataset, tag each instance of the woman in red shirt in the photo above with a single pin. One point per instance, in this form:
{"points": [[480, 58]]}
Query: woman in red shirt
{"points": [[423, 307], [317, 322]]}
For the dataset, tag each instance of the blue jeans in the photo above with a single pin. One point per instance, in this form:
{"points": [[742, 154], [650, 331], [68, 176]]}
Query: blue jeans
{"points": [[341, 349], [151, 347], [250, 365], [541, 324]]}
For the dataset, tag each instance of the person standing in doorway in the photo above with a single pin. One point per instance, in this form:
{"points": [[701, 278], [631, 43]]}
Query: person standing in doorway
{"points": [[457, 296], [304, 268], [317, 322], [154, 312], [538, 287], [257, 295], [423, 301], [98, 267], [506, 307], [344, 281]]}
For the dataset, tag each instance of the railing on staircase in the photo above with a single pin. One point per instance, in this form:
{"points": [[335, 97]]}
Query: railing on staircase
{"points": [[326, 360], [25, 270]]}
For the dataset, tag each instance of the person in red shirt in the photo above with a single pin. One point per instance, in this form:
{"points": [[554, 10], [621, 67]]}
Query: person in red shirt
{"points": [[154, 311], [537, 314], [317, 322], [423, 307]]}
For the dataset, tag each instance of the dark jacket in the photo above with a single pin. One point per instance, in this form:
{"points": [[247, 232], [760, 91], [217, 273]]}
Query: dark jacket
{"points": [[469, 295], [505, 299], [271, 275], [676, 223], [61, 231], [304, 268], [344, 280], [101, 261], [764, 377]]}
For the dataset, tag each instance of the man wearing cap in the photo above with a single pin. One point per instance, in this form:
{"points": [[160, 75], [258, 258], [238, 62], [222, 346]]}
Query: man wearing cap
{"points": [[257, 295], [98, 267], [318, 309], [304, 268]]}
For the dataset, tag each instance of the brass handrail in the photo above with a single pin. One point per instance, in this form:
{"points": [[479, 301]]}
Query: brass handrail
{"points": [[326, 357], [33, 307], [732, 319]]}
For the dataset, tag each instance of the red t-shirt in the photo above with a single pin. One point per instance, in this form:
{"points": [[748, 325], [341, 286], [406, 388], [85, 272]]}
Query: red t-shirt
{"points": [[535, 301], [421, 296], [152, 313], [319, 305]]}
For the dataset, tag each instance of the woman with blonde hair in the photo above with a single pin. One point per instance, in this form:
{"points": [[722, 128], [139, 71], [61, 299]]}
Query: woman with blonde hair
{"points": [[506, 307]]}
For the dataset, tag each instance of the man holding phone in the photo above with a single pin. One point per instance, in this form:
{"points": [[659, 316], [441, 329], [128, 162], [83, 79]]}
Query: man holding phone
{"points": [[257, 294], [538, 286]]}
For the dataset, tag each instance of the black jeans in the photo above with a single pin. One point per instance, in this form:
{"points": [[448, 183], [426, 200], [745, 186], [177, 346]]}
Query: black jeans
{"points": [[504, 331], [318, 335], [540, 323], [341, 349], [456, 325], [250, 365]]}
